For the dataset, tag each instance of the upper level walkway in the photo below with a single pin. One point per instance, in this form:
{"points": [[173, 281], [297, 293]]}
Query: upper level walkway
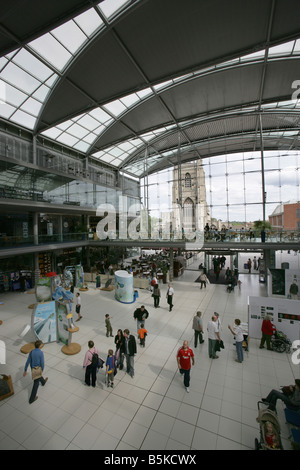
{"points": [[231, 241]]}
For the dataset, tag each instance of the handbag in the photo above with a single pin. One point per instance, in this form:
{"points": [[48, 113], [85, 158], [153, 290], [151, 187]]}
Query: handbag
{"points": [[6, 386], [36, 373]]}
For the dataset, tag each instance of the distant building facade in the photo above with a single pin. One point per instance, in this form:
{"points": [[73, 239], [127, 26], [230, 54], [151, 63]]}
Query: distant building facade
{"points": [[286, 216]]}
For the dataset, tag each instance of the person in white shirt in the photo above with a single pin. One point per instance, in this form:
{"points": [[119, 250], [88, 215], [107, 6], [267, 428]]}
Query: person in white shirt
{"points": [[213, 336], [237, 331], [216, 314], [170, 294], [78, 306]]}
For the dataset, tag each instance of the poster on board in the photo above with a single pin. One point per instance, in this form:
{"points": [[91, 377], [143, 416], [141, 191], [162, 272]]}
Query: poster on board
{"points": [[63, 334], [285, 315], [285, 283], [44, 322], [79, 276]]}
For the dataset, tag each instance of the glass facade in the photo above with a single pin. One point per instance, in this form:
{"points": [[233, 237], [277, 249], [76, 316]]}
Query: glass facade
{"points": [[233, 185]]}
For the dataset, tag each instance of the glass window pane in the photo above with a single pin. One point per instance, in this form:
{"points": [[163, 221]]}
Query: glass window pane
{"points": [[67, 139], [272, 186], [88, 122], [271, 162], [51, 50], [90, 138], [6, 110], [109, 7], [23, 119], [115, 107], [81, 146], [77, 131], [218, 190], [288, 179], [235, 167], [19, 78], [52, 133], [41, 93], [32, 65], [32, 106], [253, 187], [12, 95], [130, 100], [89, 21], [70, 36], [252, 164], [235, 188], [100, 115]]}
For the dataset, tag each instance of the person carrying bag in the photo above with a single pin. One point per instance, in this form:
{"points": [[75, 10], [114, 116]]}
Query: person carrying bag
{"points": [[37, 363]]}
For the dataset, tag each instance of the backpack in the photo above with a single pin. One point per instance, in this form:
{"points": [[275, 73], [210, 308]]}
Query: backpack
{"points": [[95, 359]]}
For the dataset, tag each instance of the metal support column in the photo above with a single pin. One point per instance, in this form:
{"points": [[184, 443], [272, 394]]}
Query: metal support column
{"points": [[171, 272], [262, 170]]}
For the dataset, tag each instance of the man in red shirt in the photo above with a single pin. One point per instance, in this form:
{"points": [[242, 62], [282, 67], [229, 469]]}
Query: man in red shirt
{"points": [[184, 357], [267, 330]]}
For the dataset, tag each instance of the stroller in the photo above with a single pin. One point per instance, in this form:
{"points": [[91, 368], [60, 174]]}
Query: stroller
{"points": [[230, 287], [280, 342], [269, 430]]}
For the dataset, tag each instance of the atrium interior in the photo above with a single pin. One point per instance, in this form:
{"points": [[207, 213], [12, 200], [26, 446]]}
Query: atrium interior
{"points": [[139, 128]]}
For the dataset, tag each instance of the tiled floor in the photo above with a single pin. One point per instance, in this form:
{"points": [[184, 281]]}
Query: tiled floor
{"points": [[152, 410]]}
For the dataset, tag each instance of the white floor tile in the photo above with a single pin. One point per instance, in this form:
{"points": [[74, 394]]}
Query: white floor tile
{"points": [[153, 410]]}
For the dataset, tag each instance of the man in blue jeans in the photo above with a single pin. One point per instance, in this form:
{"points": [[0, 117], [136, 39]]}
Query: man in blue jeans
{"points": [[35, 359], [184, 357]]}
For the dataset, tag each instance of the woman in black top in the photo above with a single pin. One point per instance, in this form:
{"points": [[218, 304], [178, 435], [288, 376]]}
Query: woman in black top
{"points": [[120, 348], [156, 295]]}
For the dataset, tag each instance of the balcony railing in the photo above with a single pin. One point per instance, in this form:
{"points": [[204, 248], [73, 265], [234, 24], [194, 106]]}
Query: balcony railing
{"points": [[208, 238]]}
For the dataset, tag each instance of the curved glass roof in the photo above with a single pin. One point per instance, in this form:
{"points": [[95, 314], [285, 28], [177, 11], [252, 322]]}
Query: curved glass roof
{"points": [[28, 74], [110, 131]]}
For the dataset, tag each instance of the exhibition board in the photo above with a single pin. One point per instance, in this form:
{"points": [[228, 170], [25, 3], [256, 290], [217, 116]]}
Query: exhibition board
{"points": [[285, 315]]}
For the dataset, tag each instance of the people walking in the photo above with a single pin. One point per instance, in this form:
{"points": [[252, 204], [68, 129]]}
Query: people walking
{"points": [[90, 364], [198, 329], [170, 296], [130, 351], [213, 337], [36, 362], [249, 264], [237, 331], [156, 295], [203, 280], [140, 314], [185, 360], [78, 306], [110, 368], [109, 331], [142, 333]]}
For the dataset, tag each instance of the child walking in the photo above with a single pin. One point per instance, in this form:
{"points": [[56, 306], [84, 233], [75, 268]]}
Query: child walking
{"points": [[110, 368], [142, 333], [109, 331]]}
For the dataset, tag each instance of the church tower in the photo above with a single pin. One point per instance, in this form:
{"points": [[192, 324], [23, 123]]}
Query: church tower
{"points": [[189, 193]]}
